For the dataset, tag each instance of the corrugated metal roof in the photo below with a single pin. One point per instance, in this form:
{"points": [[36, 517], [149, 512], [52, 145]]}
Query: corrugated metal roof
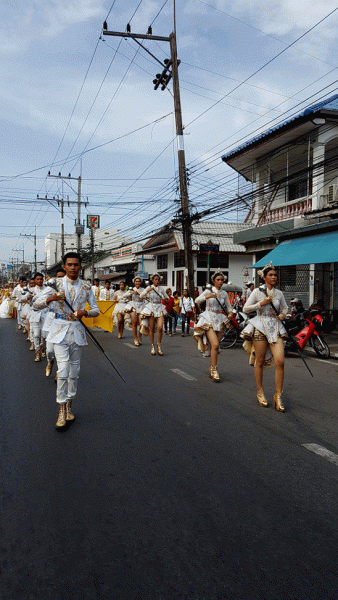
{"points": [[218, 233], [330, 104]]}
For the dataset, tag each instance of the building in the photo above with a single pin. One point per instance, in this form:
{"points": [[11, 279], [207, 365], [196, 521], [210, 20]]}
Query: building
{"points": [[292, 190], [122, 263], [213, 248]]}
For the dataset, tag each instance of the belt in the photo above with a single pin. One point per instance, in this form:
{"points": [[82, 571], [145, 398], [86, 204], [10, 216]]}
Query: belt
{"points": [[61, 317]]}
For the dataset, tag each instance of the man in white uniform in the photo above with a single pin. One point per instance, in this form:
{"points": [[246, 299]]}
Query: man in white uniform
{"points": [[19, 292], [96, 289], [37, 318], [67, 333], [106, 293]]}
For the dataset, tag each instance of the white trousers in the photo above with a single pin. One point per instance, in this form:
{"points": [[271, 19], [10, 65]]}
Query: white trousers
{"points": [[49, 350], [68, 358], [37, 335]]}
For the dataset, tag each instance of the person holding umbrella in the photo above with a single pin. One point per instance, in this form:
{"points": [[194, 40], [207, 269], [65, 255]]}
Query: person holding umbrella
{"points": [[211, 323]]}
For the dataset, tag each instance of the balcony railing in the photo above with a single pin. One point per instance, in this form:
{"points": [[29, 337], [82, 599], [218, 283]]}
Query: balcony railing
{"points": [[290, 210]]}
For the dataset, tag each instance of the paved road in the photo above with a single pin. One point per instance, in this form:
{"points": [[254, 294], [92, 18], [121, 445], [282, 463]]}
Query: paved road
{"points": [[168, 487]]}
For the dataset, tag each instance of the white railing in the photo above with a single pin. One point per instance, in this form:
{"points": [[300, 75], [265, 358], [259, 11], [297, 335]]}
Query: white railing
{"points": [[292, 209]]}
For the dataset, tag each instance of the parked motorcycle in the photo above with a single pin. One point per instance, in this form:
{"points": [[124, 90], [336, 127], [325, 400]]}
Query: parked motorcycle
{"points": [[232, 333], [305, 328]]}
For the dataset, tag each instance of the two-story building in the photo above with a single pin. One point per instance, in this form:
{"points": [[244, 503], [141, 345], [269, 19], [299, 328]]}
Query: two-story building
{"points": [[213, 247], [291, 172]]}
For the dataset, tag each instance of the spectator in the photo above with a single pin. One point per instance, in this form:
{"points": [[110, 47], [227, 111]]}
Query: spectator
{"points": [[168, 315], [176, 309], [187, 311]]}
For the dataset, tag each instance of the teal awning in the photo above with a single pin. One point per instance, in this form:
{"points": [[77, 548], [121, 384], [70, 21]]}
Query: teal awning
{"points": [[321, 248]]}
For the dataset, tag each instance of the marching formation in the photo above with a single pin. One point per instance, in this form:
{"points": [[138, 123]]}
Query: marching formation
{"points": [[51, 313]]}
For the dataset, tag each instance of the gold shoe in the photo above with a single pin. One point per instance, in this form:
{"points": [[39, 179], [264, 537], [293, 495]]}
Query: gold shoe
{"points": [[153, 351], [140, 340], [136, 342], [20, 327], [61, 422], [213, 374], [49, 367], [277, 402], [262, 401], [159, 351], [69, 414], [31, 347], [37, 356], [24, 330], [42, 350]]}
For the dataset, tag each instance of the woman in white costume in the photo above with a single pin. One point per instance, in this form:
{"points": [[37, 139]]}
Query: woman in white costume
{"points": [[119, 308], [134, 308], [267, 333], [211, 323], [154, 311]]}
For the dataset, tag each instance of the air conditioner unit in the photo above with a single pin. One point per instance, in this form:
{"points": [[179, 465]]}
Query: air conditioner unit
{"points": [[333, 194]]}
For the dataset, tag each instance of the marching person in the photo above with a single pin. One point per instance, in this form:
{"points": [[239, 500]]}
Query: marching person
{"points": [[18, 293], [106, 293], [267, 333], [46, 327], [154, 311], [134, 307], [118, 312], [96, 289], [67, 333], [37, 319], [211, 323], [187, 311]]}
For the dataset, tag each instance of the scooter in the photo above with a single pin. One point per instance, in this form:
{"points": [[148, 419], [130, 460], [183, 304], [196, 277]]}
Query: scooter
{"points": [[232, 334], [306, 328]]}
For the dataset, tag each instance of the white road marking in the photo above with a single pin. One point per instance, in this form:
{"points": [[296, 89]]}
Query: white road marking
{"points": [[328, 362], [323, 452], [183, 374], [129, 345]]}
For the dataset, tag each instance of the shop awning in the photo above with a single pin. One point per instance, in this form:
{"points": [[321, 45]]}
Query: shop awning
{"points": [[309, 250]]}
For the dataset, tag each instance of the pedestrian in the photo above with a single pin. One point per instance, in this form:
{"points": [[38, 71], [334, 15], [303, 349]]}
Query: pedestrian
{"points": [[168, 315], [176, 310], [118, 312], [249, 289], [187, 311], [134, 308], [238, 302], [154, 310], [211, 323], [66, 332], [266, 331]]}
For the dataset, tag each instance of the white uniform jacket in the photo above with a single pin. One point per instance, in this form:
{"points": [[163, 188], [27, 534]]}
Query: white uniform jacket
{"points": [[78, 294], [106, 295], [266, 320], [38, 316]]}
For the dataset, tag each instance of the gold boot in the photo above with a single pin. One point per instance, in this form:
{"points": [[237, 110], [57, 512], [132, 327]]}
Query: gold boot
{"points": [[153, 351], [277, 402], [31, 347], [69, 414], [262, 401], [140, 340], [43, 350], [213, 374], [61, 422], [49, 367], [37, 356], [136, 342], [159, 351]]}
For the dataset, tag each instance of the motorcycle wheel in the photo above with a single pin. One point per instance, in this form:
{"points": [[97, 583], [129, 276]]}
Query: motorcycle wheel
{"points": [[229, 338], [320, 346]]}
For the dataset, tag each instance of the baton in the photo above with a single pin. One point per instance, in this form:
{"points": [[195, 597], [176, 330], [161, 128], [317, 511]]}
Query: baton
{"points": [[289, 335], [51, 283]]}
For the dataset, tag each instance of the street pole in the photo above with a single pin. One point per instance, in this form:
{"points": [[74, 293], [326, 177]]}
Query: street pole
{"points": [[163, 80], [79, 213], [92, 249], [186, 221]]}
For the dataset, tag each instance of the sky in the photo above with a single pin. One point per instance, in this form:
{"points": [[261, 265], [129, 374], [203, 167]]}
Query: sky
{"points": [[76, 101]]}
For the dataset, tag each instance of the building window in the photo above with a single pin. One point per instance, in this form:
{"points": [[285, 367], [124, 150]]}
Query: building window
{"points": [[179, 259], [298, 189], [173, 279], [162, 261], [164, 277]]}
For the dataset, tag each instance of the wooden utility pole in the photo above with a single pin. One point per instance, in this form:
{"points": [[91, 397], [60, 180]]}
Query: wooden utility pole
{"points": [[79, 228], [34, 242], [163, 80]]}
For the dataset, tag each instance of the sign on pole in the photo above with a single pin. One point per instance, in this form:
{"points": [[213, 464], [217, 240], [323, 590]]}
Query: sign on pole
{"points": [[93, 221]]}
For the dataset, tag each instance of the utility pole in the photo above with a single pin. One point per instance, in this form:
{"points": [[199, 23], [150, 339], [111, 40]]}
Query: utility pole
{"points": [[92, 250], [79, 228], [163, 80], [34, 242]]}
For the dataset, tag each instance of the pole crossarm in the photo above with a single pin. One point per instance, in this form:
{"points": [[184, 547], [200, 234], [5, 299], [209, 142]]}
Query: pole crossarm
{"points": [[141, 36]]}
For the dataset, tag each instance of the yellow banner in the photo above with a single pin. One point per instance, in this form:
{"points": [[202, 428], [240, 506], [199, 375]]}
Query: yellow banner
{"points": [[105, 319]]}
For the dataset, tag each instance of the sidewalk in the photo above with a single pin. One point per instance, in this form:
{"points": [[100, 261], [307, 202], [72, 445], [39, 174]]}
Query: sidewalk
{"points": [[331, 340]]}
